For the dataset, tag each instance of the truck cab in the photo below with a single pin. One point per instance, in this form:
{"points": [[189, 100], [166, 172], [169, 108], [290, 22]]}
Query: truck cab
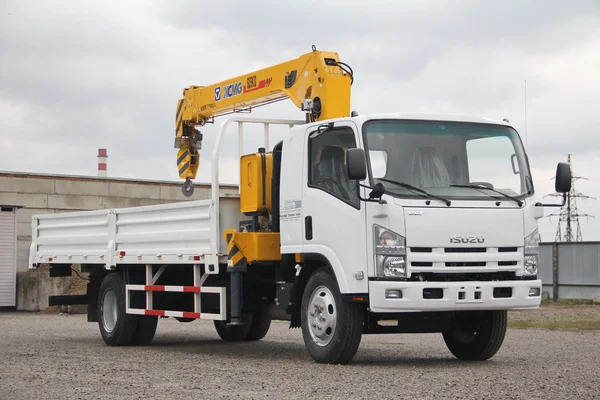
{"points": [[422, 217]]}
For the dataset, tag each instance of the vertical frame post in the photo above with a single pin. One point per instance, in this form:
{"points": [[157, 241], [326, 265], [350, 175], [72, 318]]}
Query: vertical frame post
{"points": [[555, 272], [267, 145], [148, 282], [197, 282], [240, 144]]}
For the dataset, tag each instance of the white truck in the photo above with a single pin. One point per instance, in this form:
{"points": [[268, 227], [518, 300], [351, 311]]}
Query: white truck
{"points": [[349, 223]]}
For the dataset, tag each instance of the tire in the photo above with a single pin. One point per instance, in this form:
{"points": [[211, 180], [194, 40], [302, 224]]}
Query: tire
{"points": [[255, 327], [477, 336], [234, 333], [144, 333], [116, 327], [331, 328], [261, 322]]}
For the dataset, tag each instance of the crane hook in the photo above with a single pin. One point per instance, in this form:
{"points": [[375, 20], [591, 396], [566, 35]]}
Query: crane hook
{"points": [[188, 187]]}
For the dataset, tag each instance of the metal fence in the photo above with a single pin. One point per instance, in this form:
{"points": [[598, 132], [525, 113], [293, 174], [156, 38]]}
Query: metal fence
{"points": [[570, 270]]}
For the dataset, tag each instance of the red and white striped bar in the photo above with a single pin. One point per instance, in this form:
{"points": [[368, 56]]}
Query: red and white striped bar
{"points": [[164, 313], [180, 289]]}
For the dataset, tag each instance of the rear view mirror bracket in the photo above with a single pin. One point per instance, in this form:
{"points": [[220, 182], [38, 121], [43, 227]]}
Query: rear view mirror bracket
{"points": [[377, 192], [562, 184], [538, 204]]}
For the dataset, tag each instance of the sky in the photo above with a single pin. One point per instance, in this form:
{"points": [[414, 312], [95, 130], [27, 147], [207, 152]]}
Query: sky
{"points": [[79, 75]]}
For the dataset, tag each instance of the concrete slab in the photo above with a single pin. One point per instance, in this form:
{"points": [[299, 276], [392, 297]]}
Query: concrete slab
{"points": [[25, 214], [26, 185], [24, 200], [174, 194], [74, 202], [24, 230], [134, 191], [23, 254], [34, 287], [122, 202], [81, 188]]}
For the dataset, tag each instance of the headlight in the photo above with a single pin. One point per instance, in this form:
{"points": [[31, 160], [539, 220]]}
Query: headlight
{"points": [[390, 253], [532, 250], [387, 238], [394, 266]]}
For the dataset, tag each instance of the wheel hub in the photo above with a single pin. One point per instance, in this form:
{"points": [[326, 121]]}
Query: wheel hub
{"points": [[109, 310], [322, 316]]}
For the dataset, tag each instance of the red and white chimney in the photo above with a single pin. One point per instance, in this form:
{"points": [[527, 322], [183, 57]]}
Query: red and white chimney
{"points": [[102, 156]]}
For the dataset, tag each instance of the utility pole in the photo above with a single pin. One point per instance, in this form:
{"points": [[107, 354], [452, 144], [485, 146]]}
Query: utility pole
{"points": [[568, 215]]}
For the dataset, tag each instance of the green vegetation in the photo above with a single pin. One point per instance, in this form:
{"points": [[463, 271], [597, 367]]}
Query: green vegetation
{"points": [[569, 302], [549, 324], [564, 314]]}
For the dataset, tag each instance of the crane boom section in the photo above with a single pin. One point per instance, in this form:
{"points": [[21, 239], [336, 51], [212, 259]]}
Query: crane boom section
{"points": [[316, 82]]}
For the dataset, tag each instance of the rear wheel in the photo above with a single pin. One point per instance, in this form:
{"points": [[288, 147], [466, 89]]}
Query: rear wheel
{"points": [[234, 333], [146, 328], [116, 327], [261, 322], [331, 328], [476, 335], [255, 327]]}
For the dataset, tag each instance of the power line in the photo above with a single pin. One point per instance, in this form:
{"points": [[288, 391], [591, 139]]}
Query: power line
{"points": [[568, 215]]}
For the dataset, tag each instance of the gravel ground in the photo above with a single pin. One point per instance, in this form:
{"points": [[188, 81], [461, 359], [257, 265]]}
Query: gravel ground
{"points": [[44, 356]]}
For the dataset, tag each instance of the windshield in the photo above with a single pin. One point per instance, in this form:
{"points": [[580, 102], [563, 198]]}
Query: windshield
{"points": [[443, 157]]}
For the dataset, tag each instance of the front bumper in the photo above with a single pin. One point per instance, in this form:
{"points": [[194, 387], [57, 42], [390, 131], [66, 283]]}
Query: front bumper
{"points": [[454, 296]]}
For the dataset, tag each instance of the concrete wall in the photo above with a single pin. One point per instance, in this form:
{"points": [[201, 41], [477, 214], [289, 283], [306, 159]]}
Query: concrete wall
{"points": [[37, 194]]}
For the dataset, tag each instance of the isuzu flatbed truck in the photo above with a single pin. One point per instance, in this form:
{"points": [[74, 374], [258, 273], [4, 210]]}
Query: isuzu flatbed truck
{"points": [[351, 225]]}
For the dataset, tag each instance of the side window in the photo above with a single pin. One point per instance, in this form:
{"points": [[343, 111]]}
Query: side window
{"points": [[379, 163], [327, 164]]}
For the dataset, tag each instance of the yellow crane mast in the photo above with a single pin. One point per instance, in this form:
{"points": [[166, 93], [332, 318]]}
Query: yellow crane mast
{"points": [[317, 82]]}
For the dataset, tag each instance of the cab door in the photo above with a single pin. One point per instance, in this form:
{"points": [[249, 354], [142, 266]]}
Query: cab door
{"points": [[334, 216]]}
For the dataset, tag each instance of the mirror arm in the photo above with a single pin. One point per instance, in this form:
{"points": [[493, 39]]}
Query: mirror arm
{"points": [[371, 200], [538, 204], [380, 201]]}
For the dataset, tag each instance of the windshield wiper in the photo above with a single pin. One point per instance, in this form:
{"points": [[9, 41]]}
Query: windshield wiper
{"points": [[416, 189], [519, 202]]}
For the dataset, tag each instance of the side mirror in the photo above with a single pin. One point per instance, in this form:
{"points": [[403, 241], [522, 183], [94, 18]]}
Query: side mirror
{"points": [[562, 183], [356, 164]]}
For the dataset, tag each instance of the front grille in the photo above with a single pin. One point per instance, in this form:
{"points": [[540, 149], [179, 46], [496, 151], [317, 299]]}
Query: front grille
{"points": [[466, 264], [457, 277], [421, 249], [421, 264], [465, 250], [467, 260]]}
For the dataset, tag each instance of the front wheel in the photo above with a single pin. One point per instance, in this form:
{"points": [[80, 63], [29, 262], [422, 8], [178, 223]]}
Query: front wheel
{"points": [[331, 328], [477, 335]]}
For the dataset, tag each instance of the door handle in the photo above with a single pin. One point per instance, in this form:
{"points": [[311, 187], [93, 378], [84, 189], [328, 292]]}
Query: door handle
{"points": [[308, 233]]}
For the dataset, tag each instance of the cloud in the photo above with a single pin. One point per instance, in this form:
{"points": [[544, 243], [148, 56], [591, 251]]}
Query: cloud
{"points": [[77, 76]]}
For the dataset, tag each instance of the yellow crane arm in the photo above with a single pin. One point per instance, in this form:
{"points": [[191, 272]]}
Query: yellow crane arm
{"points": [[317, 82]]}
